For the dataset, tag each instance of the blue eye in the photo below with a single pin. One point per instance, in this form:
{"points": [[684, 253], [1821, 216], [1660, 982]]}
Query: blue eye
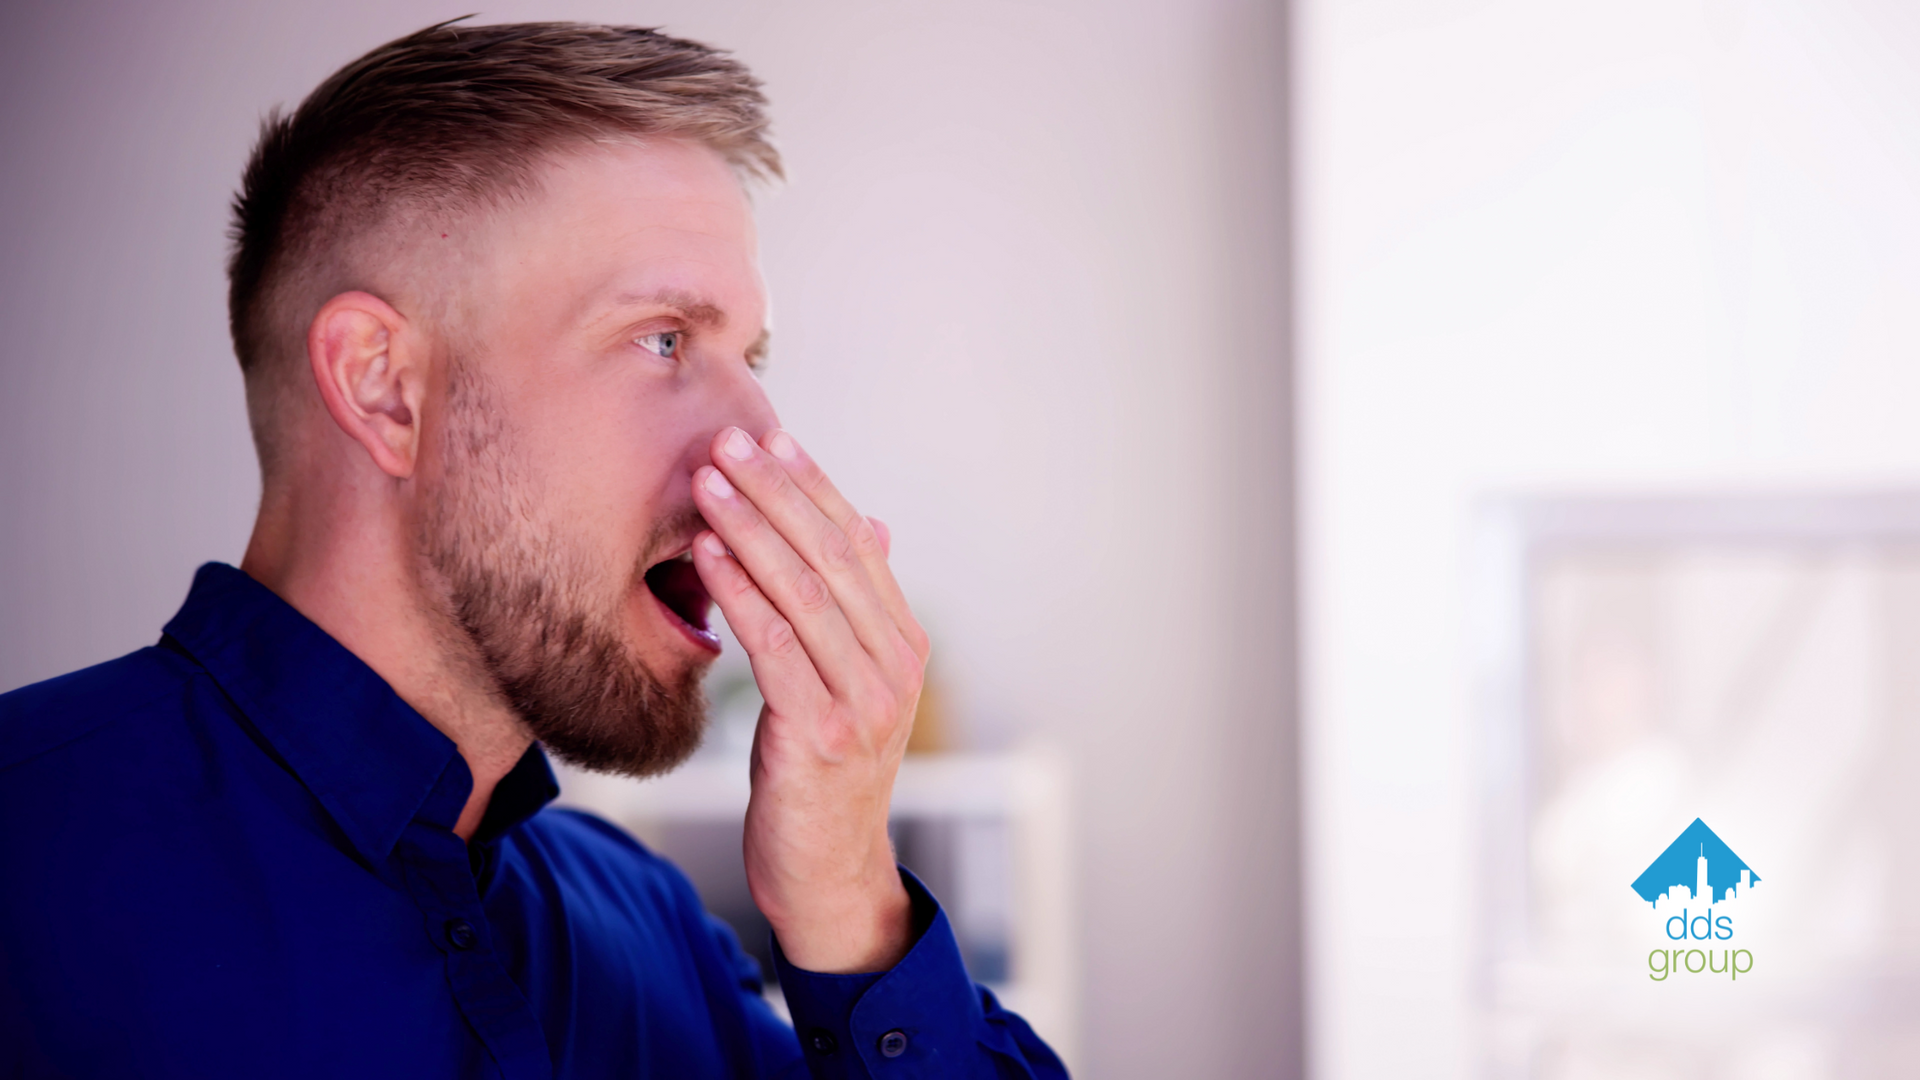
{"points": [[664, 345]]}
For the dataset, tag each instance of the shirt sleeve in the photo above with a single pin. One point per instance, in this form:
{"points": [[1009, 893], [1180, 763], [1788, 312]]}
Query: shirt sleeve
{"points": [[924, 1017]]}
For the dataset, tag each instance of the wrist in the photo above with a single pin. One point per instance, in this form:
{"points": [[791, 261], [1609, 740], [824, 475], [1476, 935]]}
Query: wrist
{"points": [[863, 932]]}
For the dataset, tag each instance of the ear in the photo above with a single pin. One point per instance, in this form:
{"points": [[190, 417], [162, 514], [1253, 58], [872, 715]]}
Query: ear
{"points": [[372, 376]]}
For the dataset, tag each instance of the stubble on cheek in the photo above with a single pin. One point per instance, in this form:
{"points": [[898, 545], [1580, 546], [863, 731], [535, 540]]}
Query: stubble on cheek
{"points": [[546, 618]]}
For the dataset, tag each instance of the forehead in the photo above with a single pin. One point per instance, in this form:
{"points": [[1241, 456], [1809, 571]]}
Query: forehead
{"points": [[610, 222]]}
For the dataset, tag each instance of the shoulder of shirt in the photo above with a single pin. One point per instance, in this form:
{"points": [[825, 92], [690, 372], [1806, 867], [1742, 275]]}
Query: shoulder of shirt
{"points": [[40, 718], [587, 835], [577, 829]]}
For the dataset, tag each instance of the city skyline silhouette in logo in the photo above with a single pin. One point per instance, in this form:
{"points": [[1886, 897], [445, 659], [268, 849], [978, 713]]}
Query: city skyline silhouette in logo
{"points": [[1699, 862]]}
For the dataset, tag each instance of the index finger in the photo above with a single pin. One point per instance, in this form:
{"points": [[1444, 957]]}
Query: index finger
{"points": [[868, 544]]}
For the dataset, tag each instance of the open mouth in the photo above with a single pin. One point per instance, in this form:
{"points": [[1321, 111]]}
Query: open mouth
{"points": [[676, 584]]}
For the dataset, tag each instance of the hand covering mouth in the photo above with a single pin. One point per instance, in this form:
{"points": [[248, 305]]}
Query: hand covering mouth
{"points": [[677, 585]]}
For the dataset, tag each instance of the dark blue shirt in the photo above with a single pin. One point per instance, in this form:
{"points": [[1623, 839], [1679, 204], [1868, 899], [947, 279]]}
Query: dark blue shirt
{"points": [[232, 855]]}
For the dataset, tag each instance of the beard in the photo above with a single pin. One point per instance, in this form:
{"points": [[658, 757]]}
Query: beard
{"points": [[541, 612]]}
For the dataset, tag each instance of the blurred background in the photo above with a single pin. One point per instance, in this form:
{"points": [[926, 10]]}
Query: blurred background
{"points": [[1564, 355], [1608, 451]]}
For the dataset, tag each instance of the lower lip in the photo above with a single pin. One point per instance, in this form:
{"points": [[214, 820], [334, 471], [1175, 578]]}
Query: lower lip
{"points": [[704, 639]]}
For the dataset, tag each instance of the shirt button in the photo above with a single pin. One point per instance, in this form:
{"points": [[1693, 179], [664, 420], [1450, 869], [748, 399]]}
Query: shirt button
{"points": [[460, 934], [822, 1041], [893, 1043]]}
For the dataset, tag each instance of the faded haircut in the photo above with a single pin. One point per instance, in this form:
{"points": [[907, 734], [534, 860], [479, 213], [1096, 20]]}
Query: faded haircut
{"points": [[448, 120]]}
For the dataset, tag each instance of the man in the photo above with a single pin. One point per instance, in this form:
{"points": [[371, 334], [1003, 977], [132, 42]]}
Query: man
{"points": [[495, 297]]}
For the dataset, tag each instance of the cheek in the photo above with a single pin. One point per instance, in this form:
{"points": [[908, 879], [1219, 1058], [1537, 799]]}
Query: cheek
{"points": [[616, 462], [574, 479], [627, 474]]}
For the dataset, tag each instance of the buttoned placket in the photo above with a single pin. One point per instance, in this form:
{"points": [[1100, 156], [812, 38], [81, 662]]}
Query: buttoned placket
{"points": [[434, 865]]}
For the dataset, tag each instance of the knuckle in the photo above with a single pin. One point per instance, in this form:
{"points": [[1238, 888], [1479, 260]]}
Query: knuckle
{"points": [[757, 523], [863, 538], [836, 550], [888, 694], [781, 479], [810, 592], [809, 478], [838, 740], [780, 639], [917, 640], [881, 701], [741, 586]]}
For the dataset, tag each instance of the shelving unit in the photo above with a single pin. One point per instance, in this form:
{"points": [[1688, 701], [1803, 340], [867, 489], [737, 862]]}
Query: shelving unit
{"points": [[988, 833]]}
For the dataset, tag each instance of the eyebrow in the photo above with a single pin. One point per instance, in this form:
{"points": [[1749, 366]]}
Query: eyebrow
{"points": [[691, 307], [699, 312]]}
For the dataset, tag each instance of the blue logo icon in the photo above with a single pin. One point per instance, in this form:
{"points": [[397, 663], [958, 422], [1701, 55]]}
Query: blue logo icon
{"points": [[1699, 863]]}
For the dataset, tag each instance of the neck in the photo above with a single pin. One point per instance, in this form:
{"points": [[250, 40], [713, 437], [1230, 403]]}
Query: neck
{"points": [[346, 559]]}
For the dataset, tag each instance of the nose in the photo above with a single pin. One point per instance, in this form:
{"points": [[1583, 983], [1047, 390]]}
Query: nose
{"points": [[748, 406], [734, 398]]}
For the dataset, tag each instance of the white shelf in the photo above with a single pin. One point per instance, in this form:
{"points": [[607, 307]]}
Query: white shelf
{"points": [[1025, 790], [979, 786]]}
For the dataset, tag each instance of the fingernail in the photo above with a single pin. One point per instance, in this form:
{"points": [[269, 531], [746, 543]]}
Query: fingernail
{"points": [[714, 546], [718, 484], [738, 446], [783, 447]]}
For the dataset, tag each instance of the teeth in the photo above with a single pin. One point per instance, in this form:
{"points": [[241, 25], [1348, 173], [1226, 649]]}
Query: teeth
{"points": [[685, 556]]}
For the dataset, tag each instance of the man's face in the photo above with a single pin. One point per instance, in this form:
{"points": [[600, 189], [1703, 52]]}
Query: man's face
{"points": [[604, 330]]}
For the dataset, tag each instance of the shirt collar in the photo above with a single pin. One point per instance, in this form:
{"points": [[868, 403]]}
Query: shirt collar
{"points": [[369, 758], [519, 795]]}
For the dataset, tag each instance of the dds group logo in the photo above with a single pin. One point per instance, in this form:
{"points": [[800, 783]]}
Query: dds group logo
{"points": [[1696, 887]]}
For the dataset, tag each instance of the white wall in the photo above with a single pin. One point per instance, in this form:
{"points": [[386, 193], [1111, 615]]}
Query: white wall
{"points": [[1633, 246], [1029, 307]]}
